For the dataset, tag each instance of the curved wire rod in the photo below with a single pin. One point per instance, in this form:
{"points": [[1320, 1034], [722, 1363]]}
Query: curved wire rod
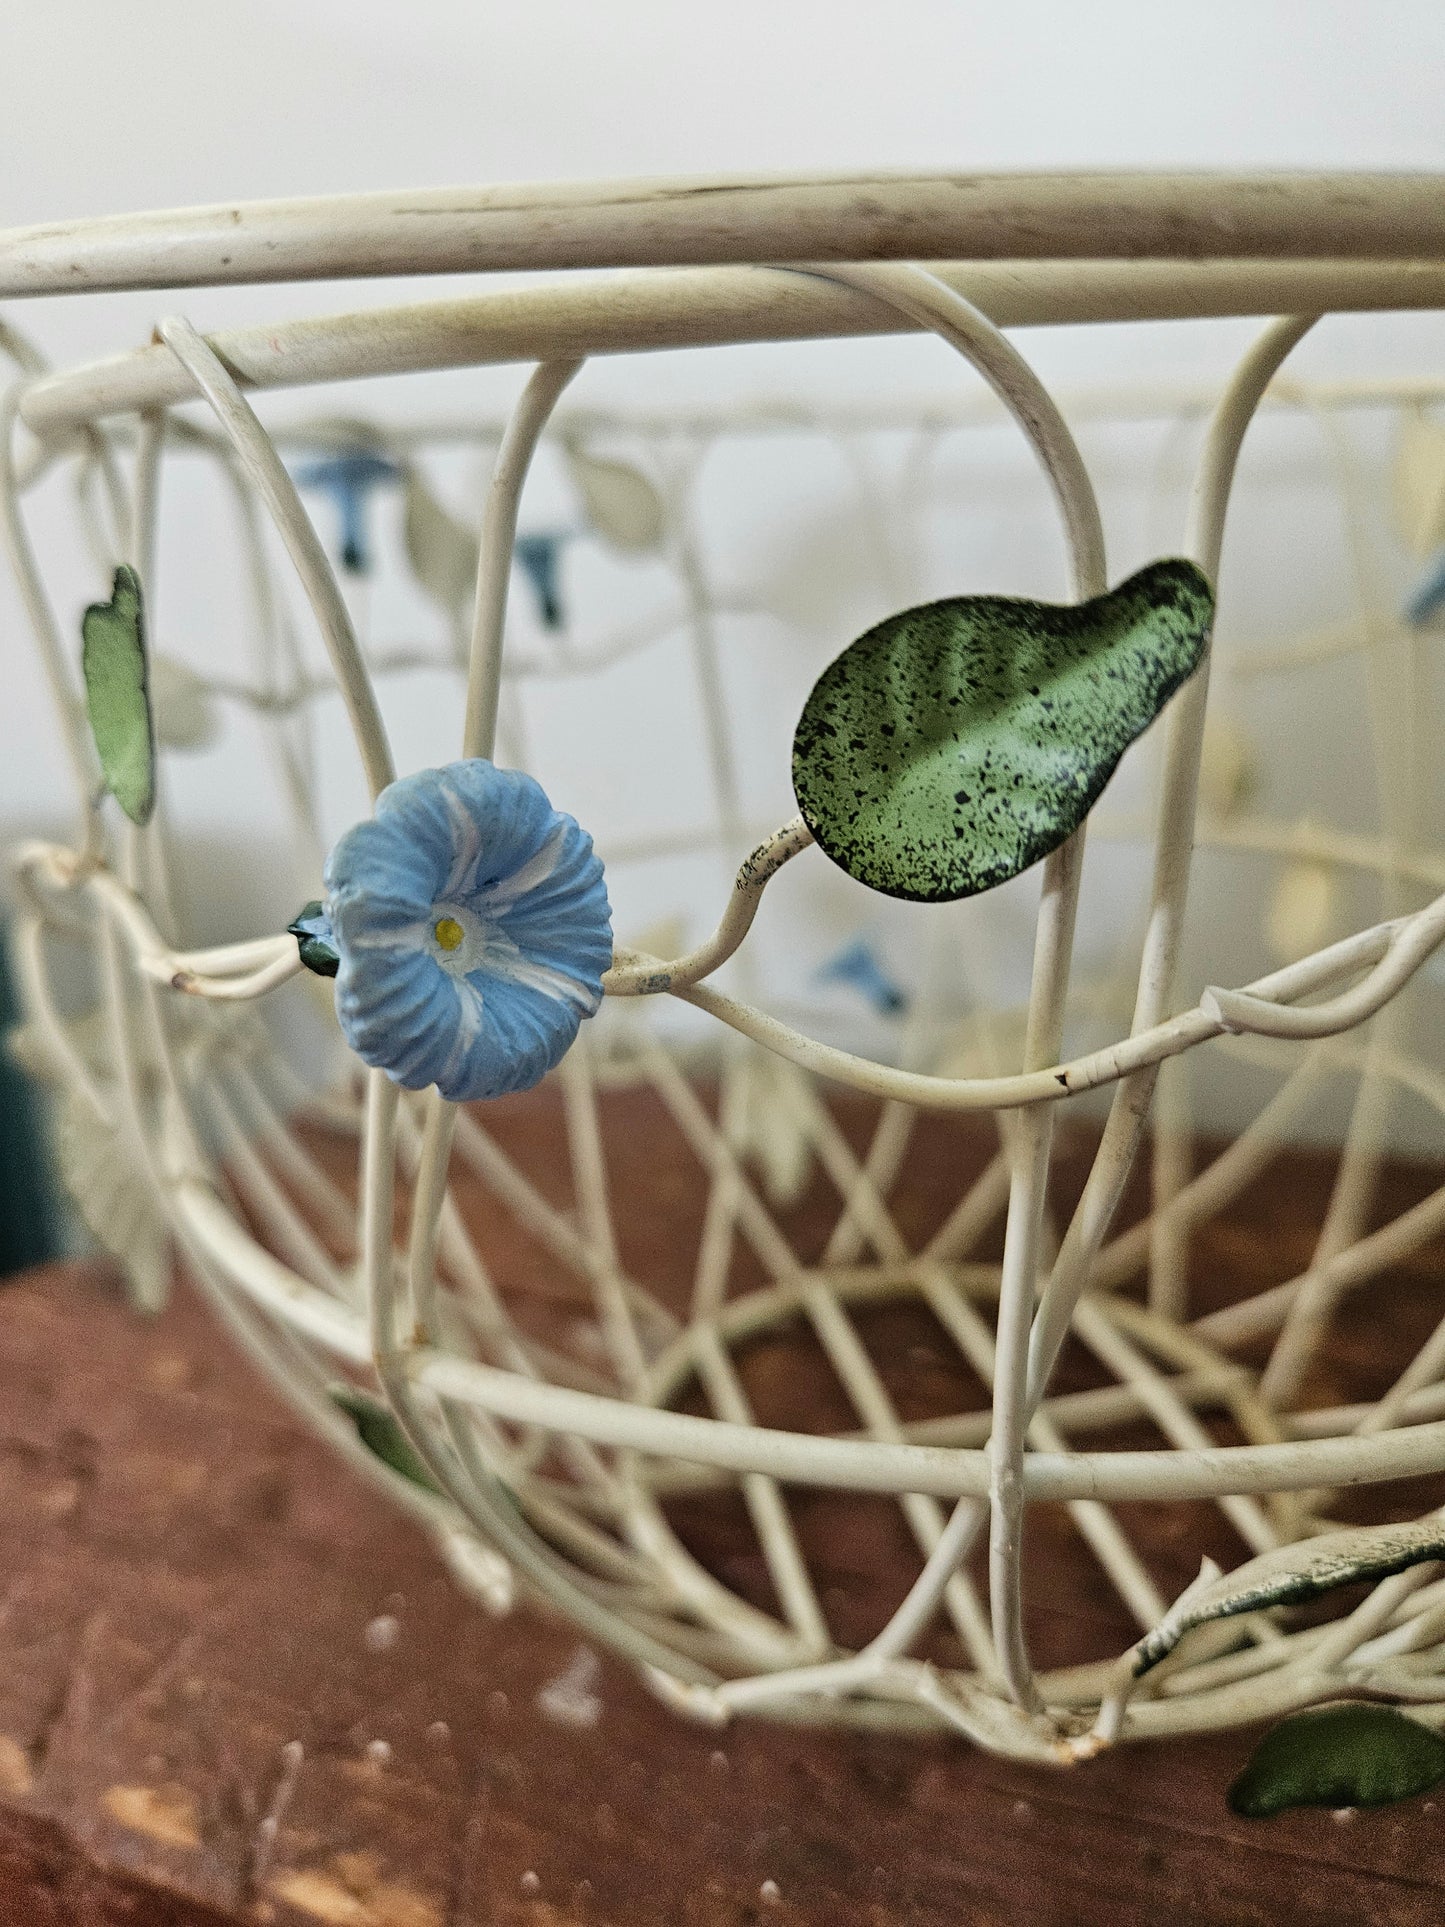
{"points": [[1414, 939], [466, 1475], [1394, 704], [54, 662], [231, 973], [635, 974], [1264, 836], [1178, 217], [517, 666], [276, 489], [933, 304], [927, 300], [932, 416], [494, 558], [688, 308], [1178, 802], [1095, 1068], [876, 1466]]}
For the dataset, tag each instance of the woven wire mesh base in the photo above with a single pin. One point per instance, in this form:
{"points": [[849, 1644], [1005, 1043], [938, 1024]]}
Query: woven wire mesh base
{"points": [[565, 1429]]}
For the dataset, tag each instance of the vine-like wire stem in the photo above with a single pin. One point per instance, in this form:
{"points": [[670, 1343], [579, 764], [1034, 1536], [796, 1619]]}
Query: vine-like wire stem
{"points": [[229, 973], [467, 1477], [635, 975], [1383, 945], [494, 559], [46, 630], [933, 304], [1124, 1127], [273, 484]]}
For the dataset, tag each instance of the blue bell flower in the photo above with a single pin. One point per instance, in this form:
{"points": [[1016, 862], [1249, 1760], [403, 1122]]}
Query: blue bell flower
{"points": [[473, 928], [348, 477], [539, 557], [857, 965]]}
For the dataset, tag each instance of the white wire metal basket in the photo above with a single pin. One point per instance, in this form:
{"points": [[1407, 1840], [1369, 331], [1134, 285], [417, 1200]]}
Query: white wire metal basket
{"points": [[554, 1450]]}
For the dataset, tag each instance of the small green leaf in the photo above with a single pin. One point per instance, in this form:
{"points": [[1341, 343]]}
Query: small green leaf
{"points": [[955, 744], [315, 941], [182, 705], [442, 551], [1288, 1575], [620, 502], [1420, 483], [1339, 1756], [113, 658], [380, 1433]]}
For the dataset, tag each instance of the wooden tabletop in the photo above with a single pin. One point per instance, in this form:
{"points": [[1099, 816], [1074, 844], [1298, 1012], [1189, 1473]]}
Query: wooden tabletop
{"points": [[236, 1685]]}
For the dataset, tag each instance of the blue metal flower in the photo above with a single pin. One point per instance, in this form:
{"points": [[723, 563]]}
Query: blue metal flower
{"points": [[1426, 601], [348, 477], [539, 557], [857, 965], [473, 928]]}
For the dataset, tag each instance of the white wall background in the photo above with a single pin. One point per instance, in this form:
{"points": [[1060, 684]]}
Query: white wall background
{"points": [[169, 102]]}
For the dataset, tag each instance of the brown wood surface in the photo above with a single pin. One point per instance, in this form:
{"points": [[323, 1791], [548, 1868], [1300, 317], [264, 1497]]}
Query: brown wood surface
{"points": [[196, 1723]]}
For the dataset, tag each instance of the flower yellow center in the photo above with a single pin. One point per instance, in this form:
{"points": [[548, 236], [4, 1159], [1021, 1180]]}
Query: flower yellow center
{"points": [[448, 933]]}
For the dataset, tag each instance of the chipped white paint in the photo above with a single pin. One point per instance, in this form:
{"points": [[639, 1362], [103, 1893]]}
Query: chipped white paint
{"points": [[166, 1814], [572, 1699], [382, 1633]]}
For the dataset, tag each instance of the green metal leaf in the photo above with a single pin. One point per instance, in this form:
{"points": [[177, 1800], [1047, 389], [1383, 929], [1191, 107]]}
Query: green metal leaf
{"points": [[113, 658], [315, 941], [380, 1433], [955, 744], [1339, 1756], [1288, 1575]]}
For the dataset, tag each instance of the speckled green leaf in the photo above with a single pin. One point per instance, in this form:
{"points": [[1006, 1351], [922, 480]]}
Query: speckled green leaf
{"points": [[1288, 1575], [113, 658], [380, 1433], [957, 743], [1339, 1756]]}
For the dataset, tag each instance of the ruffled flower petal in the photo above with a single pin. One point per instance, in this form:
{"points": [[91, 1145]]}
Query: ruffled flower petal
{"points": [[473, 928]]}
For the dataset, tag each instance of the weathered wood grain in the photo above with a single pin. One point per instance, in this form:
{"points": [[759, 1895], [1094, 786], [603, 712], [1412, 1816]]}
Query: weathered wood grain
{"points": [[234, 1685]]}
